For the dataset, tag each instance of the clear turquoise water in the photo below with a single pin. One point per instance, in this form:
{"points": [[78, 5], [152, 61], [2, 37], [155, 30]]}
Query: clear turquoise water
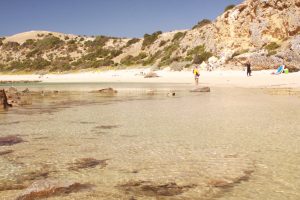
{"points": [[187, 139]]}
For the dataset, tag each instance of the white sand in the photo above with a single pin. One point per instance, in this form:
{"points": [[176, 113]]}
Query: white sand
{"points": [[215, 78]]}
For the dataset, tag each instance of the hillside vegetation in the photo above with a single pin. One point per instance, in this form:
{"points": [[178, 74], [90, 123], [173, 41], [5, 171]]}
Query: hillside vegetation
{"points": [[265, 32]]}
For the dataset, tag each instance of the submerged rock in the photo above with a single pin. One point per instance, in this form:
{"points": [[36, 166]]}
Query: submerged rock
{"points": [[3, 99], [201, 89], [84, 163], [107, 91], [107, 127], [16, 98], [151, 189], [10, 140], [5, 152], [49, 188], [23, 180], [225, 183]]}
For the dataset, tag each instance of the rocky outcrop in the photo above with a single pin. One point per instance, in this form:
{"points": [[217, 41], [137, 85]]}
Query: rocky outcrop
{"points": [[49, 188]]}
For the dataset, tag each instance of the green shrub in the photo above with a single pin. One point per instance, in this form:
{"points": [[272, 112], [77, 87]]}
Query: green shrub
{"points": [[202, 23], [93, 64], [49, 42], [237, 53], [199, 54], [105, 62], [150, 39], [132, 41], [162, 43], [99, 53], [152, 58], [33, 53], [39, 63], [98, 42], [71, 42], [131, 60], [30, 43], [167, 53], [61, 63], [271, 53], [30, 65], [11, 46], [272, 46], [115, 53], [229, 7], [178, 36], [72, 48], [128, 60], [67, 37]]}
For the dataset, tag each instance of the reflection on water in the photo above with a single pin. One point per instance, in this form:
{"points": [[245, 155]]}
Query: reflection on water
{"points": [[227, 144]]}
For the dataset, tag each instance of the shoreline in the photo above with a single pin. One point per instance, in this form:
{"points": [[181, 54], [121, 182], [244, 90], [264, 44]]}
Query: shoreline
{"points": [[219, 78]]}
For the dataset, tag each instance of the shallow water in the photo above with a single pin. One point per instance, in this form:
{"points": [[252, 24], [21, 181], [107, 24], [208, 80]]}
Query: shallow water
{"points": [[250, 137]]}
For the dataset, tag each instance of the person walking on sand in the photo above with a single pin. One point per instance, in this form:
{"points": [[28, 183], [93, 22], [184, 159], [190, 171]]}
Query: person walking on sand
{"points": [[196, 75], [248, 66]]}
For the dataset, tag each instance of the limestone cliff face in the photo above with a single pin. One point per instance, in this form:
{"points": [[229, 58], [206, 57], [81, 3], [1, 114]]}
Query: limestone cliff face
{"points": [[266, 32], [256, 23]]}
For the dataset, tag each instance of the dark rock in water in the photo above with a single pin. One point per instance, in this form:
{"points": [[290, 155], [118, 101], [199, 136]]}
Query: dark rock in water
{"points": [[88, 163], [49, 188], [201, 89], [107, 91], [10, 140], [151, 75], [106, 127], [5, 152], [4, 99], [23, 180], [150, 189]]}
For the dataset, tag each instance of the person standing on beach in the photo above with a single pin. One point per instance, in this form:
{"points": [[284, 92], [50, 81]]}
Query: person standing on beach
{"points": [[196, 75], [248, 66]]}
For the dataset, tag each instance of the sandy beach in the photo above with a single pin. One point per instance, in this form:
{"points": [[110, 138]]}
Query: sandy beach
{"points": [[215, 78]]}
